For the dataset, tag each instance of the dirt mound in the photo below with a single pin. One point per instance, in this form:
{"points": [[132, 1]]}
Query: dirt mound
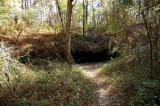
{"points": [[90, 43], [52, 45]]}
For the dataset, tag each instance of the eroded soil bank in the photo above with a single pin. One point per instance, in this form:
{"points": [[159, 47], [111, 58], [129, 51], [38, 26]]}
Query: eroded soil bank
{"points": [[92, 47]]}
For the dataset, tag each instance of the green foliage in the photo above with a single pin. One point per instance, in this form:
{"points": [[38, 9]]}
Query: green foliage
{"points": [[131, 84], [114, 26], [127, 2], [5, 23], [147, 93]]}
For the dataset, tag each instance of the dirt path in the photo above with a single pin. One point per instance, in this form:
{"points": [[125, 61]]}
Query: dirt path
{"points": [[102, 88]]}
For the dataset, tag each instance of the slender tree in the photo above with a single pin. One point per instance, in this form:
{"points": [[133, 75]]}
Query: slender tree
{"points": [[68, 31], [93, 14], [86, 11], [60, 13], [151, 25], [84, 20]]}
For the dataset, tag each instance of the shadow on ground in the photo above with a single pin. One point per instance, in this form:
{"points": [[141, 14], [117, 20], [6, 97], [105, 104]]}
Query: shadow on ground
{"points": [[52, 84]]}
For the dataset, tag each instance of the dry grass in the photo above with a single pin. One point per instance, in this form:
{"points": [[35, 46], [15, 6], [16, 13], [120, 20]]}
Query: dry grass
{"points": [[52, 85]]}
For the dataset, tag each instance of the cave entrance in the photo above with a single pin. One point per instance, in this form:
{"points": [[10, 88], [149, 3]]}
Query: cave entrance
{"points": [[90, 57]]}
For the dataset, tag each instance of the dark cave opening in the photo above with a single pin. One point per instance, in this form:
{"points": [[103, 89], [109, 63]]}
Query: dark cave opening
{"points": [[78, 57], [90, 57], [93, 57]]}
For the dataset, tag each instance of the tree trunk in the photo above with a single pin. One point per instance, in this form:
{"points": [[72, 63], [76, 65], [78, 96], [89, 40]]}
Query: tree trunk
{"points": [[25, 4], [93, 16], [150, 43], [68, 32], [60, 15], [22, 4], [84, 20], [86, 8]]}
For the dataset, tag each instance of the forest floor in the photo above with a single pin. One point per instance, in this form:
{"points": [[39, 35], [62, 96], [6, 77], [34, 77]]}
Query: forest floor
{"points": [[103, 89], [117, 82]]}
